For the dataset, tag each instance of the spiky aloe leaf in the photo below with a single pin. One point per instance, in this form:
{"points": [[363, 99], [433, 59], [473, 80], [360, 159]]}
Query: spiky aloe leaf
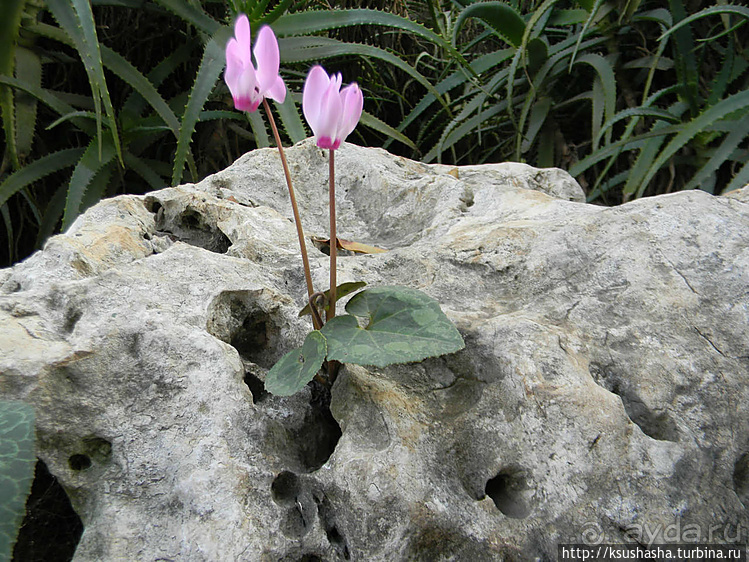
{"points": [[211, 65], [730, 105], [608, 89], [298, 367], [307, 22], [36, 170], [10, 23], [258, 129], [402, 325], [687, 69], [369, 120], [87, 167], [721, 155], [144, 170], [506, 22], [193, 14], [290, 119], [28, 69], [740, 179], [303, 49], [727, 9], [456, 79], [77, 20], [17, 461]]}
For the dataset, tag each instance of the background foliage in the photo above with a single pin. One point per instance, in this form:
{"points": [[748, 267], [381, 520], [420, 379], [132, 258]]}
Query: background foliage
{"points": [[633, 97]]}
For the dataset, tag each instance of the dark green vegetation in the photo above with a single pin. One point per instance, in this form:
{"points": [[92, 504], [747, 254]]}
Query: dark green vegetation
{"points": [[123, 96]]}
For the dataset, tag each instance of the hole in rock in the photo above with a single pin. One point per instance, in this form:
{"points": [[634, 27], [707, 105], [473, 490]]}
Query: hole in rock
{"points": [[189, 226], [250, 322], [71, 319], [79, 462], [97, 448], [320, 434], [285, 488], [327, 517], [506, 491], [252, 339], [51, 530], [152, 204], [654, 424], [741, 478], [256, 386]]}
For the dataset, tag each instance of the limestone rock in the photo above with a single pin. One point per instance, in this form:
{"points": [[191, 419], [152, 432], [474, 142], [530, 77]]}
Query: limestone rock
{"points": [[603, 393]]}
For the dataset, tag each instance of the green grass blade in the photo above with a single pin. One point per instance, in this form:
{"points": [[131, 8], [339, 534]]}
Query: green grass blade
{"points": [[37, 170], [87, 167], [211, 65]]}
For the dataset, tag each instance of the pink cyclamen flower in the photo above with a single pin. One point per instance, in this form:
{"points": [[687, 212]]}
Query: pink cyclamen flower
{"points": [[248, 83], [332, 113]]}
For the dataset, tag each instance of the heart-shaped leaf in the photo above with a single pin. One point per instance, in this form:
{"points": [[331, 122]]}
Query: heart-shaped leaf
{"points": [[403, 325], [17, 461], [297, 367]]}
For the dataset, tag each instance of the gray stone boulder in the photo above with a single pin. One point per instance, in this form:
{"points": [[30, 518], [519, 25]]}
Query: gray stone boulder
{"points": [[603, 394]]}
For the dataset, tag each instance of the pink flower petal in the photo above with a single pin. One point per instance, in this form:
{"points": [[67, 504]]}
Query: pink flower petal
{"points": [[315, 87], [353, 104], [277, 91], [267, 58], [234, 65], [330, 113], [242, 31]]}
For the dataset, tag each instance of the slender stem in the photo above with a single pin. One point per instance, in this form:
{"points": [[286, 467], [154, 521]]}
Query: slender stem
{"points": [[333, 239], [294, 208]]}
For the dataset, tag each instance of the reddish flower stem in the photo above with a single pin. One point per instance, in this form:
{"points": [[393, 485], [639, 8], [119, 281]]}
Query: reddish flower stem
{"points": [[294, 208], [333, 238]]}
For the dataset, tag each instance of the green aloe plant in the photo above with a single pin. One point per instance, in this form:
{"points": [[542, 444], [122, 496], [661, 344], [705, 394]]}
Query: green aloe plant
{"points": [[119, 136]]}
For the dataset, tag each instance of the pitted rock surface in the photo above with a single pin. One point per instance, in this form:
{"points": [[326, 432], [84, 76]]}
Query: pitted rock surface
{"points": [[604, 387]]}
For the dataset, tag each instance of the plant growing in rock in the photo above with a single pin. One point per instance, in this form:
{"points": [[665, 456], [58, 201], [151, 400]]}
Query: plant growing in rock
{"points": [[400, 324]]}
